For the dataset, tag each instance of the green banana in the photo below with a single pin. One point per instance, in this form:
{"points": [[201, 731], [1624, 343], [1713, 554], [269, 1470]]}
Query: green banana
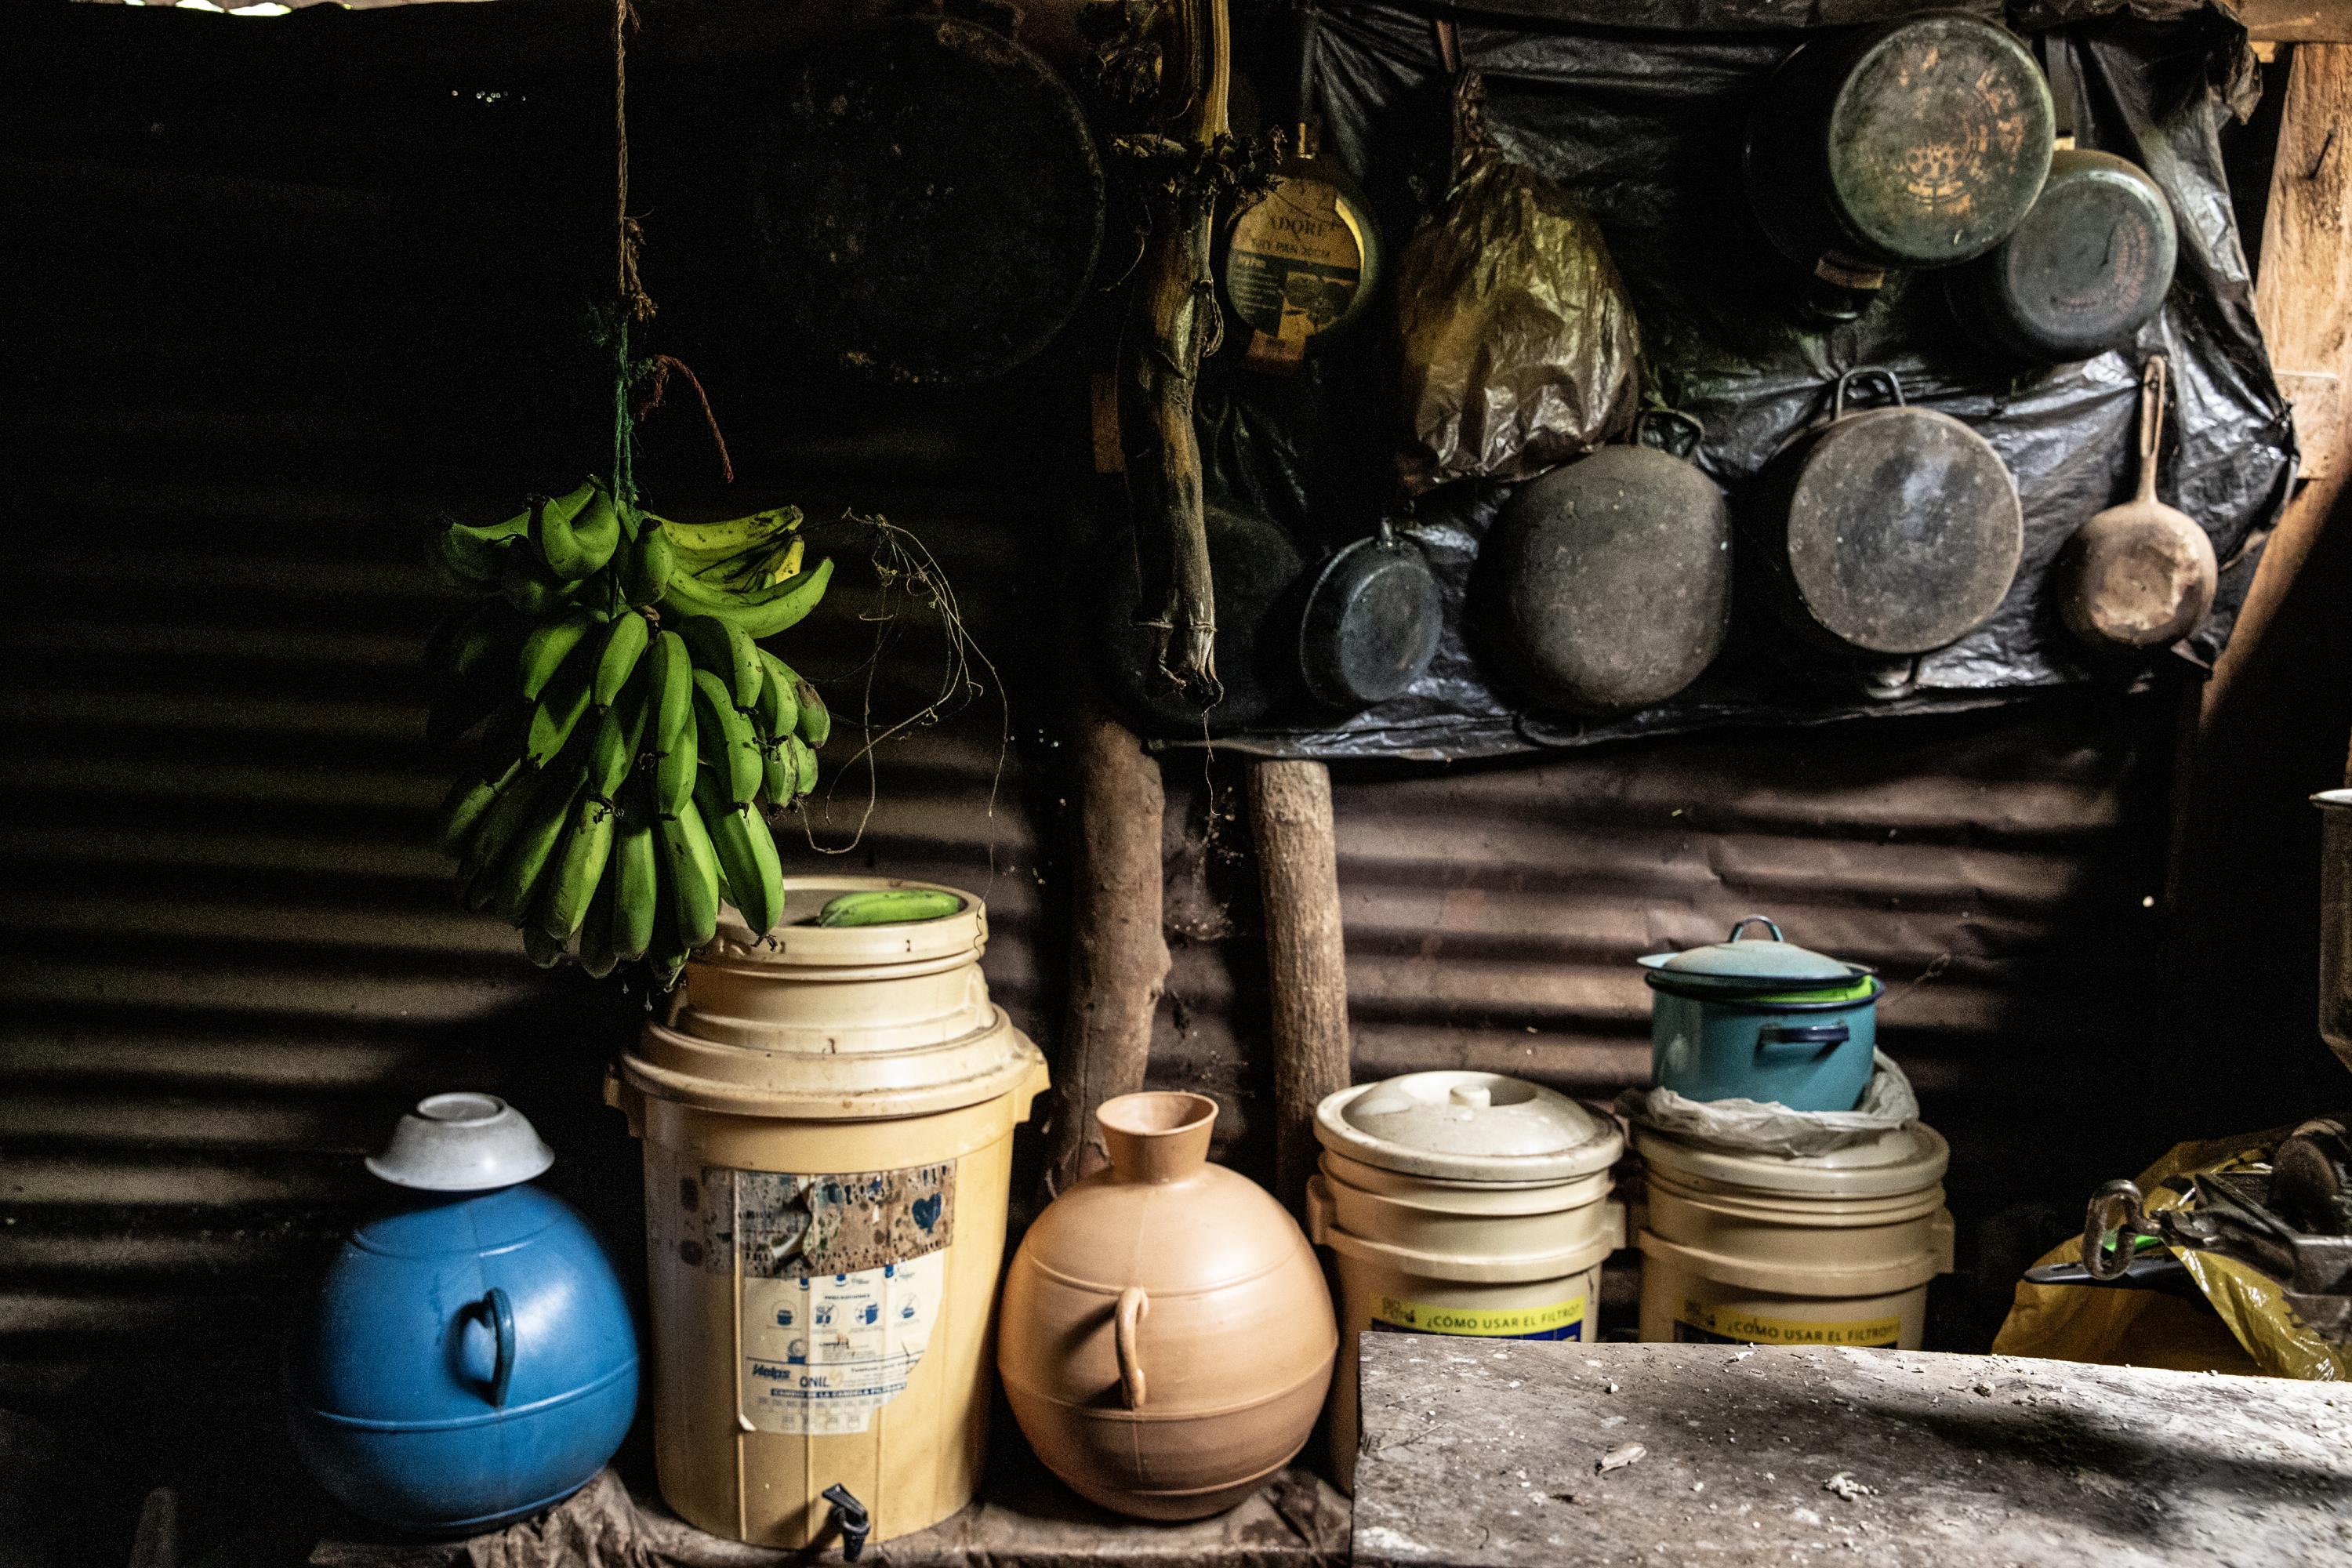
{"points": [[574, 535], [889, 907], [516, 877], [636, 885], [473, 555], [800, 757], [725, 650], [779, 707], [724, 737], [763, 612], [529, 587], [463, 640], [780, 776], [665, 954], [746, 855], [673, 772], [669, 689], [714, 541], [571, 881], [816, 722], [540, 948], [469, 802], [549, 644], [610, 756], [597, 952], [496, 835], [693, 868], [647, 563], [623, 644], [560, 706]]}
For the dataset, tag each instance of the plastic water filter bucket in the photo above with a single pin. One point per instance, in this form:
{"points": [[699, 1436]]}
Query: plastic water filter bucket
{"points": [[1460, 1204], [1827, 1249], [827, 1119]]}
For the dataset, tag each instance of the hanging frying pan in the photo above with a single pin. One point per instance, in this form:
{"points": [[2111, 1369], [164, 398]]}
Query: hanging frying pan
{"points": [[927, 201], [1889, 532], [1606, 585], [1371, 623]]}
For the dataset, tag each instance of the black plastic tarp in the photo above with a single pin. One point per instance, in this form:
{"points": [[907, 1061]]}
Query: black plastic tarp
{"points": [[1646, 127]]}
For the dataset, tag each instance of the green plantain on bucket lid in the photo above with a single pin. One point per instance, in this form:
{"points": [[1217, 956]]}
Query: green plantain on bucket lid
{"points": [[889, 907], [1759, 968]]}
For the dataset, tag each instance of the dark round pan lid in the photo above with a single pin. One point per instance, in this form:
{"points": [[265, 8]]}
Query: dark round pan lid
{"points": [[1371, 623], [927, 201], [2084, 271], [1606, 584], [1904, 531], [1939, 137]]}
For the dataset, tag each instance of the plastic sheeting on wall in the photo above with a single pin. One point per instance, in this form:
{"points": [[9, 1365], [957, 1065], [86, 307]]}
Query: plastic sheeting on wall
{"points": [[1646, 129]]}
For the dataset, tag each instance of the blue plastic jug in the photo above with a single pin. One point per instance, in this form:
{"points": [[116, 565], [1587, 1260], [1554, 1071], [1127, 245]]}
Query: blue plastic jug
{"points": [[468, 1358]]}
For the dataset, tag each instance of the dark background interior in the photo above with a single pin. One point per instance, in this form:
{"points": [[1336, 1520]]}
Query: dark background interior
{"points": [[288, 292]]}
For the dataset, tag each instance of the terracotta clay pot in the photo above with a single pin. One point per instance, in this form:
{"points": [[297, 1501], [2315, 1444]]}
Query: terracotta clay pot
{"points": [[1166, 1338]]}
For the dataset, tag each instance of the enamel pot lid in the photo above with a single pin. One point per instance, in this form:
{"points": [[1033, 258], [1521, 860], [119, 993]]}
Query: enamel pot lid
{"points": [[1467, 1127], [1749, 964]]}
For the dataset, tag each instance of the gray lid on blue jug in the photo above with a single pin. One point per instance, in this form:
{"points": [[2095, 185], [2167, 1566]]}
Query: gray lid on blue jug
{"points": [[1770, 964], [462, 1142]]}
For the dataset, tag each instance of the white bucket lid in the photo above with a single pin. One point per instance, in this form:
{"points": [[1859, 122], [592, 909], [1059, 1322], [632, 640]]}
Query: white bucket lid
{"points": [[1880, 1165], [1467, 1127], [462, 1142]]}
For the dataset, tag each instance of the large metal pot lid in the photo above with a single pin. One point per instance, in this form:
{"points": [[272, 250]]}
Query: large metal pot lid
{"points": [[461, 1142], [1467, 1127], [1772, 964]]}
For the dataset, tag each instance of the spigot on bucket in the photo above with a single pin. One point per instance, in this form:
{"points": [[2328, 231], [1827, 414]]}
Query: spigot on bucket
{"points": [[851, 1517]]}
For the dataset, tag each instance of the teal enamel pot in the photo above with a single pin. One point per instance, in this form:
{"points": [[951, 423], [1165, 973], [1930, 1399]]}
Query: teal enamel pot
{"points": [[1763, 1020]]}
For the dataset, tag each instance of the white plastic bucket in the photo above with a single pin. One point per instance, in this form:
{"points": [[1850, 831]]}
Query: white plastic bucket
{"points": [[1827, 1250], [1459, 1204]]}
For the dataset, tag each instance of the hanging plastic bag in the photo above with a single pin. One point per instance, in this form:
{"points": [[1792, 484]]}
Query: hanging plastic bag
{"points": [[1519, 348], [1762, 1127]]}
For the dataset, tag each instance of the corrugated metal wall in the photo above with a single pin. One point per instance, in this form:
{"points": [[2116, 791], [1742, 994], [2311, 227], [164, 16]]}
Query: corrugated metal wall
{"points": [[264, 303]]}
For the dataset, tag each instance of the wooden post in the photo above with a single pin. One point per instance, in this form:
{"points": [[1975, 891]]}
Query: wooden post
{"points": [[1118, 959], [1307, 962]]}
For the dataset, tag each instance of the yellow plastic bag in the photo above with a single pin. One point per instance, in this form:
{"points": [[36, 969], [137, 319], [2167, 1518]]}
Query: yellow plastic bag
{"points": [[2141, 1328]]}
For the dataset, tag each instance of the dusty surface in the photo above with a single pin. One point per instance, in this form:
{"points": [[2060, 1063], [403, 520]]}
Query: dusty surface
{"points": [[1025, 1519], [1492, 1455]]}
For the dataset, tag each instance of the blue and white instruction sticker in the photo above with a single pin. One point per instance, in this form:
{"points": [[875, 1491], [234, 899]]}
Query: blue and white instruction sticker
{"points": [[839, 1282]]}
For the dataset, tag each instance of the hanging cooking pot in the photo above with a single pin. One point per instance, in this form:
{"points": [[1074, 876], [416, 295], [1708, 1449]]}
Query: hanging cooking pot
{"points": [[1891, 531], [1256, 571], [1371, 623], [1918, 142], [1749, 1019], [1607, 583], [927, 201], [2082, 273]]}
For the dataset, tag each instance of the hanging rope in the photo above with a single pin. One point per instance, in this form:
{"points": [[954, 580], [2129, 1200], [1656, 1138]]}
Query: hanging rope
{"points": [[631, 301]]}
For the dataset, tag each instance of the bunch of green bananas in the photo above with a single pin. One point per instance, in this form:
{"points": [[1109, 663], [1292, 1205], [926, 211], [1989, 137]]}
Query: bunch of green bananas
{"points": [[628, 731]]}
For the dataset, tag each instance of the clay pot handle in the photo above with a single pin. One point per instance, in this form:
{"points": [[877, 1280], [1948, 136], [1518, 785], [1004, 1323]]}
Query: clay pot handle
{"points": [[1134, 1306]]}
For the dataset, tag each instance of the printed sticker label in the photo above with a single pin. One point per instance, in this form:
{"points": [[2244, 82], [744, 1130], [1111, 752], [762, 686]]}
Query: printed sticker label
{"points": [[1560, 1321], [840, 1279], [1698, 1322], [1295, 261]]}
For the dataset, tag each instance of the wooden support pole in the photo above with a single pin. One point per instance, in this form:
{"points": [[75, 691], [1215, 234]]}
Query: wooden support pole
{"points": [[1307, 962], [1118, 959]]}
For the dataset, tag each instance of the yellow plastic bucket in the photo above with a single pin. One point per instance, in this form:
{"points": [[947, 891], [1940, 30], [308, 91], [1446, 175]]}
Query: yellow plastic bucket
{"points": [[1459, 1204], [1827, 1250], [827, 1117]]}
